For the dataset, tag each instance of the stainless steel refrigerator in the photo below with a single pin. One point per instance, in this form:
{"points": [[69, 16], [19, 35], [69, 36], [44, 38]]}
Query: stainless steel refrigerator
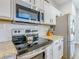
{"points": [[65, 26]]}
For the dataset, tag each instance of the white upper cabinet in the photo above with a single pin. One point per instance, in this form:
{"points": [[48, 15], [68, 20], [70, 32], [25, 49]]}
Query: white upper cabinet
{"points": [[27, 1], [40, 5], [36, 4], [54, 12], [50, 13], [5, 8], [46, 12]]}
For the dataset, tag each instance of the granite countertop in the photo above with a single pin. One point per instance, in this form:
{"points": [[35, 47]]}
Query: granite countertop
{"points": [[44, 42], [53, 38], [7, 48]]}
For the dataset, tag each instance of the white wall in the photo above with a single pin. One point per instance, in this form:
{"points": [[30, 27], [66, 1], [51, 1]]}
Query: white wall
{"points": [[77, 26], [74, 10], [68, 8]]}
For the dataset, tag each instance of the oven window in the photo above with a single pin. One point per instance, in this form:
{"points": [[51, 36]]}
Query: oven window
{"points": [[19, 40], [40, 56]]}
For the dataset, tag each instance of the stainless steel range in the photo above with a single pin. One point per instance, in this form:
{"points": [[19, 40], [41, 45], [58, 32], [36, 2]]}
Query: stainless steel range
{"points": [[24, 39]]}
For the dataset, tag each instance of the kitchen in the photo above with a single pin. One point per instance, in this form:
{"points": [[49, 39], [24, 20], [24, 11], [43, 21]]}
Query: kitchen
{"points": [[36, 29]]}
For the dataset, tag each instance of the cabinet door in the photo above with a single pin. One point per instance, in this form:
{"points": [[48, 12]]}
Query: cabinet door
{"points": [[49, 52], [46, 12], [56, 50], [27, 1], [52, 15], [40, 4], [5, 7], [33, 4]]}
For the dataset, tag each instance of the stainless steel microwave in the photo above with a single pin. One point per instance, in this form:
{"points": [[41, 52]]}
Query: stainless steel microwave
{"points": [[24, 13]]}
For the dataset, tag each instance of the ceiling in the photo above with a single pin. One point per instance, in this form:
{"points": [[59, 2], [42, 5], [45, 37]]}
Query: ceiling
{"points": [[76, 2], [62, 2]]}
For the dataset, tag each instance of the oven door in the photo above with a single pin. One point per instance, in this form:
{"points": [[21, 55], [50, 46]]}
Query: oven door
{"points": [[39, 56], [17, 40]]}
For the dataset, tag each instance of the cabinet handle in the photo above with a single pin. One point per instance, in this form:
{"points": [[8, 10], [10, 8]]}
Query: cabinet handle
{"points": [[30, 0], [56, 43], [59, 48], [34, 2], [51, 20]]}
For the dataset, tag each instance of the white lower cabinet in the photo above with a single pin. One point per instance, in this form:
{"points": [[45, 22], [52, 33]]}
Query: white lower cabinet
{"points": [[50, 13], [49, 52], [55, 50]]}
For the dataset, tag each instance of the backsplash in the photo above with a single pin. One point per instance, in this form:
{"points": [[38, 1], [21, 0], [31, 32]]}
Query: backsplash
{"points": [[5, 32], [43, 30], [6, 28]]}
